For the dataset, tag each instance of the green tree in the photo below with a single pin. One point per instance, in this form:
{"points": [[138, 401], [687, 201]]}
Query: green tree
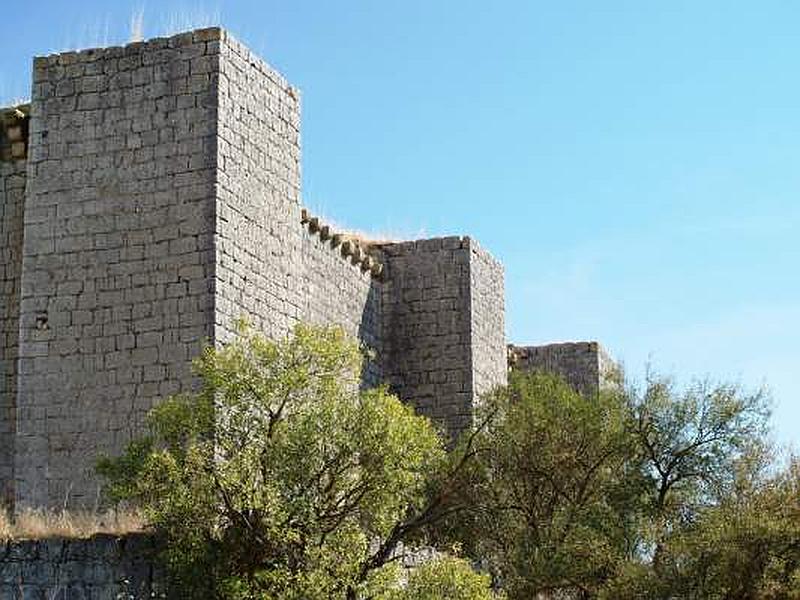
{"points": [[704, 453], [745, 547], [691, 442], [445, 578], [281, 477], [552, 494]]}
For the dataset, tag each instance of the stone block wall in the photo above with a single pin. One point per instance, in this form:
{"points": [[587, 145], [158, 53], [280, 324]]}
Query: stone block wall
{"points": [[103, 567], [335, 290], [12, 200], [259, 272], [584, 365], [439, 301], [160, 202], [118, 252], [427, 325], [487, 297]]}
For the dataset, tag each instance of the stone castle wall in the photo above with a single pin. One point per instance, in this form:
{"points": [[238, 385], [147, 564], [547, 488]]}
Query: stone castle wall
{"points": [[258, 235], [334, 290], [441, 303], [584, 365], [488, 343], [118, 252], [12, 200], [427, 313], [162, 204]]}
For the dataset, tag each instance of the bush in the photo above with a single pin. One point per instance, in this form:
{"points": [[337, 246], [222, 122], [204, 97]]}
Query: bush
{"points": [[280, 478]]}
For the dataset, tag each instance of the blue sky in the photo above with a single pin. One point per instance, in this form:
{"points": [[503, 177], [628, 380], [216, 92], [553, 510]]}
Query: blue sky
{"points": [[633, 164]]}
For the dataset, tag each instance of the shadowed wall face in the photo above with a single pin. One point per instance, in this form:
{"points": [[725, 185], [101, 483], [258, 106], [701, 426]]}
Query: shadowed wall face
{"points": [[118, 252], [12, 199], [100, 567]]}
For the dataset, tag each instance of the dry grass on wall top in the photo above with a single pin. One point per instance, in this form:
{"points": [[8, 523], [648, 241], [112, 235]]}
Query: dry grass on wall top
{"points": [[40, 524]]}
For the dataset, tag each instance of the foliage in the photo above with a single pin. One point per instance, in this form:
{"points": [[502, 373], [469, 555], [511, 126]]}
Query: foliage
{"points": [[552, 490], [283, 478], [618, 495], [692, 442], [745, 547], [692, 439], [448, 577], [279, 476], [748, 546]]}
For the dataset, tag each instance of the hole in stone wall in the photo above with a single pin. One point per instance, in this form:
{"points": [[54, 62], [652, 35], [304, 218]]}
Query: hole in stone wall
{"points": [[41, 321]]}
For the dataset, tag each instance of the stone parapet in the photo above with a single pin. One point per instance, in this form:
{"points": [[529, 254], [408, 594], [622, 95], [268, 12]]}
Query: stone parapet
{"points": [[361, 253]]}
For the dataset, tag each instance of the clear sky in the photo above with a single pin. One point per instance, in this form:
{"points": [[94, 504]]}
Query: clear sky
{"points": [[635, 165]]}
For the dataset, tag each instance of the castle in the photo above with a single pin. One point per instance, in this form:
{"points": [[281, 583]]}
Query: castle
{"points": [[150, 197]]}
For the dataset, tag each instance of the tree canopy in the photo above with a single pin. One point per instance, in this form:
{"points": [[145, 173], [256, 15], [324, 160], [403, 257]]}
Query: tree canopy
{"points": [[283, 478]]}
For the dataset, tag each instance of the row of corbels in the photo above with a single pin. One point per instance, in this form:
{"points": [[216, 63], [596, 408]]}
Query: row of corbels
{"points": [[15, 125], [350, 247]]}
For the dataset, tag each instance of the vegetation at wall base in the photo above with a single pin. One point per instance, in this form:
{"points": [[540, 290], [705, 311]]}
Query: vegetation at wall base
{"points": [[661, 493], [282, 478]]}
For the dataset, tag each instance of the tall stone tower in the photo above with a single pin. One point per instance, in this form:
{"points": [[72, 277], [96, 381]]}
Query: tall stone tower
{"points": [[150, 197]]}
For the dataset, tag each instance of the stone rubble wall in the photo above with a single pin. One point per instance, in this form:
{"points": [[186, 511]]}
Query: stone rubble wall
{"points": [[103, 567], [12, 200], [108, 567], [118, 252]]}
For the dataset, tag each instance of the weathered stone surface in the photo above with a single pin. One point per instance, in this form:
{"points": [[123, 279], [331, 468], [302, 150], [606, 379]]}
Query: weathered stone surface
{"points": [[443, 326], [258, 230], [118, 254], [12, 200], [99, 568]]}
